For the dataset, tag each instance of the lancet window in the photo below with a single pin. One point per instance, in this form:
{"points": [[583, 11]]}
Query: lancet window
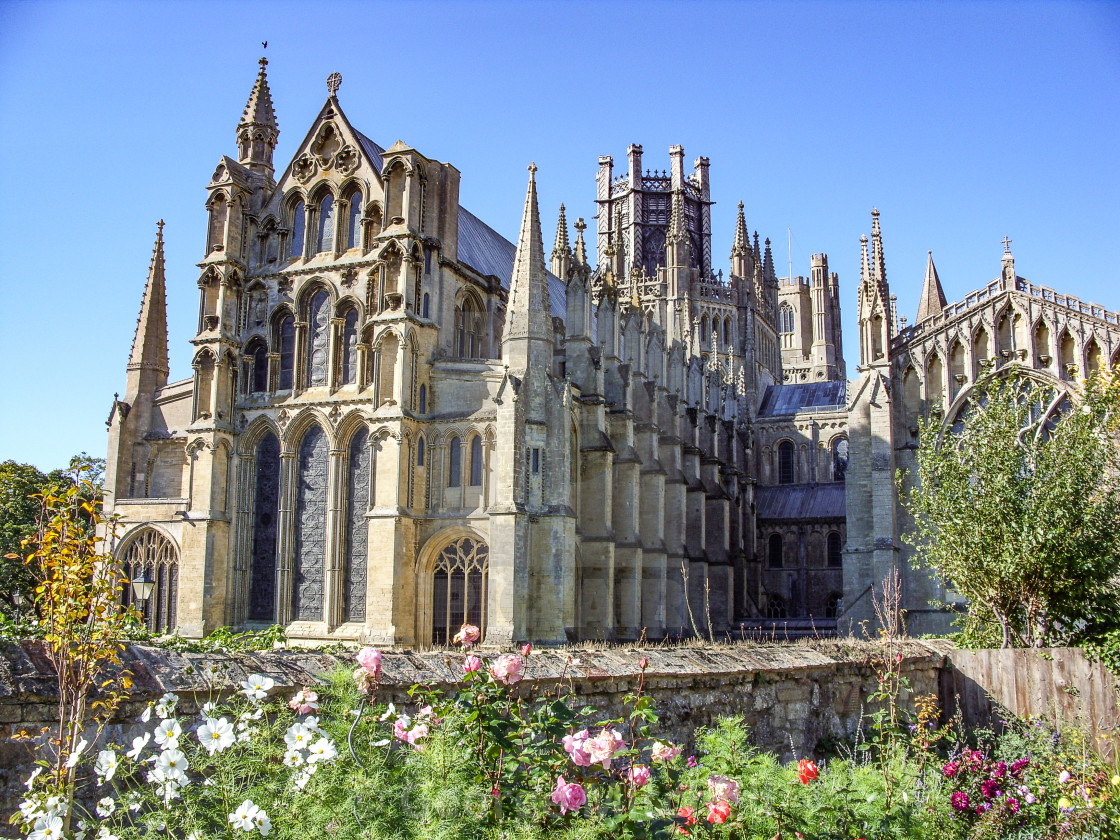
{"points": [[459, 589]]}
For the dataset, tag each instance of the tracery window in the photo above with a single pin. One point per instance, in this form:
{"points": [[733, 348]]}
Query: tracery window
{"points": [[310, 543], [287, 352], [318, 334], [298, 222], [775, 606], [423, 399], [785, 318], [258, 372], [349, 352], [266, 511], [324, 240], [354, 225], [835, 550], [785, 462], [151, 552], [839, 458], [357, 527], [459, 589], [774, 551], [469, 330], [476, 461]]}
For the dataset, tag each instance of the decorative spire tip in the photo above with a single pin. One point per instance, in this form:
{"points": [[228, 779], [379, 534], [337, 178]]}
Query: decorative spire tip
{"points": [[159, 224], [334, 82], [1006, 245], [532, 167]]}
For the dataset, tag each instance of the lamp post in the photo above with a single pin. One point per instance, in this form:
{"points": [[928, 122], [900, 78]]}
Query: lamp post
{"points": [[142, 586]]}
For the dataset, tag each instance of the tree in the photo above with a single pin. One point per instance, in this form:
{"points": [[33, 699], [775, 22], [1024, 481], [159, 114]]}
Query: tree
{"points": [[1017, 505]]}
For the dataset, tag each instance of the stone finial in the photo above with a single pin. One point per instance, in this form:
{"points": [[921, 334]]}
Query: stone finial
{"points": [[1006, 245], [334, 82]]}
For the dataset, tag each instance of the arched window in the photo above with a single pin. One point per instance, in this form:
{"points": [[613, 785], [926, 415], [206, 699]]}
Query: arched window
{"points": [[357, 527], [459, 589], [152, 553], [324, 240], [774, 551], [839, 458], [727, 333], [425, 311], [835, 550], [476, 461], [287, 352], [785, 318], [423, 399], [318, 334], [775, 606], [704, 329], [833, 605], [785, 462], [350, 347], [454, 462], [258, 378], [468, 330], [420, 451], [354, 225], [297, 226], [310, 543], [266, 506]]}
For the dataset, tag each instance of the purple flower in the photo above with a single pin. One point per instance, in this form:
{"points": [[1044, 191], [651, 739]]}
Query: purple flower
{"points": [[959, 800], [1001, 770], [692, 761], [1019, 766], [1013, 805], [990, 788], [982, 807], [950, 769]]}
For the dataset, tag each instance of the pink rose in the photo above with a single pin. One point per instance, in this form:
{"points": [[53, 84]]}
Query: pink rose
{"points": [[575, 747], [417, 732], [638, 775], [526, 649], [724, 789], [507, 669], [370, 659], [468, 634], [664, 752], [602, 747], [400, 727], [568, 795], [365, 681], [305, 702], [471, 664]]}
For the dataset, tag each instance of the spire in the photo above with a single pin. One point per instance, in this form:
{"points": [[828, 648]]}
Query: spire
{"points": [[149, 345], [528, 325], [768, 262], [742, 238], [879, 267], [561, 246], [618, 246], [580, 253], [258, 130], [864, 264], [933, 296]]}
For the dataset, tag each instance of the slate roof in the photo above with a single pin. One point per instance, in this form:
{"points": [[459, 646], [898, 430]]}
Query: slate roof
{"points": [[372, 150], [800, 501], [780, 400]]}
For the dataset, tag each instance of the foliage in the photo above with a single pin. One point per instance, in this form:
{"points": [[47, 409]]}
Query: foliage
{"points": [[221, 640], [1020, 510]]}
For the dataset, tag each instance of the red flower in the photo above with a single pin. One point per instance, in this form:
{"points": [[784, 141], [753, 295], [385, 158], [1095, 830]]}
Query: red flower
{"points": [[806, 771], [689, 818], [718, 811]]}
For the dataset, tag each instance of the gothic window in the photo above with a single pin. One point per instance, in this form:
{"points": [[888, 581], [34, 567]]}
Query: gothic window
{"points": [[219, 211], [297, 226], [835, 550], [310, 543], [704, 330], [459, 589], [469, 330], [357, 528], [324, 239], [426, 309], [785, 462], [423, 399], [839, 458], [785, 318], [476, 461], [354, 225], [287, 352], [775, 606], [266, 507], [833, 605], [349, 354], [727, 334], [420, 451], [318, 318], [774, 551], [454, 462], [152, 553], [257, 379]]}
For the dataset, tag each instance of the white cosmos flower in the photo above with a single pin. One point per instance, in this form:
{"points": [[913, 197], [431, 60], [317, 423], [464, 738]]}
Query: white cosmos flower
{"points": [[106, 806], [106, 765], [293, 758], [31, 809], [208, 709], [54, 806], [256, 687], [298, 737], [216, 735], [76, 753], [383, 742], [134, 802], [321, 750], [46, 828], [245, 737], [264, 824], [104, 833], [166, 705], [172, 763], [312, 723], [389, 713], [146, 715], [245, 816], [168, 734], [138, 744], [31, 779]]}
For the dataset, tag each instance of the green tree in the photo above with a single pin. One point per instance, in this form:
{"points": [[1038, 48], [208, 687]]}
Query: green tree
{"points": [[1017, 505]]}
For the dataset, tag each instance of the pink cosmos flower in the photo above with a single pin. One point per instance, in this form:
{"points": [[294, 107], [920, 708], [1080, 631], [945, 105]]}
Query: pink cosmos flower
{"points": [[570, 796], [304, 702], [370, 659], [414, 735], [664, 752], [471, 664], [638, 775], [507, 669], [602, 747], [468, 634], [574, 745], [723, 788]]}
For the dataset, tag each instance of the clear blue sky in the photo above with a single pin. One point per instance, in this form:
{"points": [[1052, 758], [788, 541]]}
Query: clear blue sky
{"points": [[962, 122]]}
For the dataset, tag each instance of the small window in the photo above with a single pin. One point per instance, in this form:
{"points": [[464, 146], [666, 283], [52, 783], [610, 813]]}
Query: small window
{"points": [[454, 462], [324, 241], [536, 461], [427, 260], [835, 551], [785, 463], [840, 458], [426, 309], [775, 551], [423, 399], [354, 226], [259, 381], [297, 229], [834, 605], [349, 347], [420, 452], [287, 352], [476, 461]]}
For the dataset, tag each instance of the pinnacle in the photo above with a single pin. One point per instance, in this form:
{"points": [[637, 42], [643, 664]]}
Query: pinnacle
{"points": [[561, 247], [149, 344], [529, 314], [932, 300], [259, 110], [741, 237], [580, 253]]}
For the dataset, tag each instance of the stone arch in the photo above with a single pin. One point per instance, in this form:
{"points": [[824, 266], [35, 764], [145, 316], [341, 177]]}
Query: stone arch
{"points": [[263, 442], [786, 466], [205, 369], [358, 495], [958, 375], [309, 537], [981, 350], [249, 439], [911, 397], [1067, 355], [1093, 357], [460, 556], [470, 326], [935, 380], [295, 219], [297, 428], [958, 406], [838, 447], [148, 549], [1044, 352]]}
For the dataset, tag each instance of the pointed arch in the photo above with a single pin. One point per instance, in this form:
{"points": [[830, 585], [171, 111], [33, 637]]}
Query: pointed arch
{"points": [[453, 570], [309, 543], [296, 219], [981, 351], [150, 552], [359, 464], [1067, 355], [1093, 357], [1043, 350], [266, 514], [935, 380]]}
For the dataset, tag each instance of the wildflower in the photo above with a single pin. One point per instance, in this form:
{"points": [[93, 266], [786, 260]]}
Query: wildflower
{"points": [[106, 806], [293, 758], [1116, 781], [304, 702], [959, 800], [575, 746], [322, 750], [950, 769], [256, 687], [165, 706], [1019, 766], [507, 669], [638, 775], [168, 734], [1064, 804], [370, 659], [46, 828], [526, 649], [990, 788], [106, 766], [471, 664], [245, 816], [718, 811], [263, 823], [216, 735], [689, 817], [806, 771], [570, 796], [723, 789], [76, 753], [664, 752], [1029, 799], [298, 737], [692, 762], [1013, 805], [138, 745], [468, 634], [602, 747]]}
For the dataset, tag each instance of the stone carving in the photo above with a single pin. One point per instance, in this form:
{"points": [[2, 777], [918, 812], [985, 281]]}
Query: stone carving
{"points": [[347, 160], [305, 168]]}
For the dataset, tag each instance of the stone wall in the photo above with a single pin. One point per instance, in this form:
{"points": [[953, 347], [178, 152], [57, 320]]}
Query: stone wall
{"points": [[795, 698]]}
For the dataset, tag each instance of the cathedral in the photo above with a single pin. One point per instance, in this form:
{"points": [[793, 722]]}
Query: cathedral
{"points": [[399, 421]]}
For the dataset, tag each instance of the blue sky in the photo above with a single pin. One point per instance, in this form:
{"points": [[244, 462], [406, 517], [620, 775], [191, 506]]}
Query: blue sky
{"points": [[962, 122]]}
